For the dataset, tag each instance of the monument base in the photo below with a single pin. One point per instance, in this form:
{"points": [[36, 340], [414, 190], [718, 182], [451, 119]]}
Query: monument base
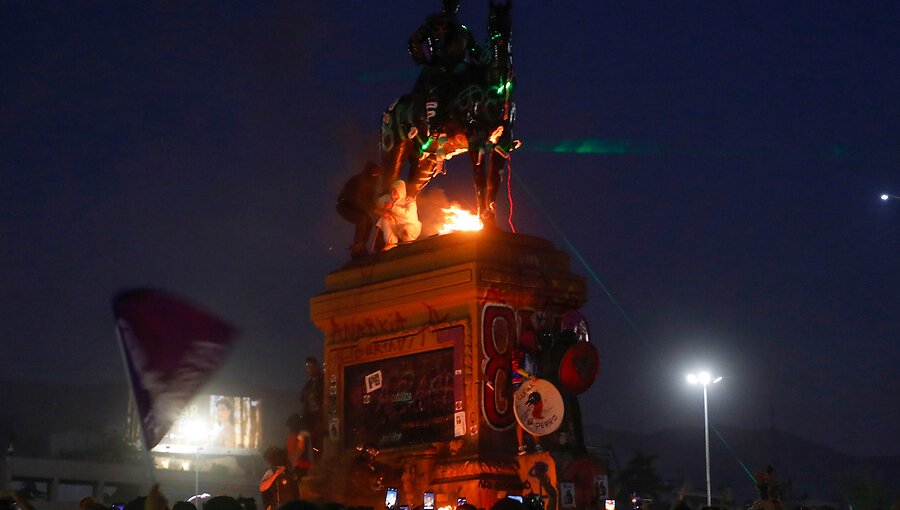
{"points": [[419, 343]]}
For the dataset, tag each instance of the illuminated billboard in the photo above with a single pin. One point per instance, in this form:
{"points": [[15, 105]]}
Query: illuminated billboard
{"points": [[216, 424], [400, 401]]}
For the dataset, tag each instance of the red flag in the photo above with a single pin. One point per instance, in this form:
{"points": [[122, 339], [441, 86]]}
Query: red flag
{"points": [[171, 349]]}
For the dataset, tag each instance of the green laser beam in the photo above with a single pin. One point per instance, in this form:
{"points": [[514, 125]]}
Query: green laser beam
{"points": [[591, 146], [738, 459], [596, 278], [594, 146], [587, 267]]}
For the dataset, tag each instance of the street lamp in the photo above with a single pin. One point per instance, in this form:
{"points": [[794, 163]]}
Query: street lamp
{"points": [[886, 196], [705, 379]]}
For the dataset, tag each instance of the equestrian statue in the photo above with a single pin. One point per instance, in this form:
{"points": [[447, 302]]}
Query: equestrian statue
{"points": [[462, 102]]}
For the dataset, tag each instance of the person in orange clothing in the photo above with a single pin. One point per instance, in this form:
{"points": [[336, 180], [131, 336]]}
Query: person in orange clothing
{"points": [[299, 446]]}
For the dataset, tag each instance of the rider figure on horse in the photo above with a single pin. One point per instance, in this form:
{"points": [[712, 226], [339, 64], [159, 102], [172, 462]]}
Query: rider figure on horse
{"points": [[444, 47]]}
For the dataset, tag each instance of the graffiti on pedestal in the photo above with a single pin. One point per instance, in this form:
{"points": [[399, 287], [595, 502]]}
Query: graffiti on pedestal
{"points": [[400, 401], [384, 324], [498, 339], [390, 346]]}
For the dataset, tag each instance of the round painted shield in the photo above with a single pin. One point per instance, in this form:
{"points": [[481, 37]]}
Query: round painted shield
{"points": [[574, 321], [539, 407], [579, 367]]}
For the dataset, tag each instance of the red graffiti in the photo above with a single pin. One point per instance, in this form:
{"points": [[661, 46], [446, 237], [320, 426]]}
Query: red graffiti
{"points": [[435, 318], [390, 323], [498, 339]]}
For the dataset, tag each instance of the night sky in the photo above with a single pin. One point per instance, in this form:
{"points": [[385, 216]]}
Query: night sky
{"points": [[717, 165]]}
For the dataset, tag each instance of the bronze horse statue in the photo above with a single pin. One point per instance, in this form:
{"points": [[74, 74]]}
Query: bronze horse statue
{"points": [[475, 115]]}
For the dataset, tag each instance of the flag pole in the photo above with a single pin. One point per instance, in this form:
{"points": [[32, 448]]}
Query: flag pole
{"points": [[129, 370]]}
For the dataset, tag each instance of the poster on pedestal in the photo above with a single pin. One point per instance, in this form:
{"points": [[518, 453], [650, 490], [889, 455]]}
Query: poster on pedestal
{"points": [[601, 487], [539, 407], [567, 495]]}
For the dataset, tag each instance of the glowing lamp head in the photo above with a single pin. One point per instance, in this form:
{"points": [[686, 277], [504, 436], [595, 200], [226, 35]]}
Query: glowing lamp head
{"points": [[703, 378], [195, 429], [884, 197]]}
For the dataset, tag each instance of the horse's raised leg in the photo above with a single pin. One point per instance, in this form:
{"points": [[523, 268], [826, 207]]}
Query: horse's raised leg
{"points": [[392, 160], [486, 173], [480, 180], [497, 164], [421, 171]]}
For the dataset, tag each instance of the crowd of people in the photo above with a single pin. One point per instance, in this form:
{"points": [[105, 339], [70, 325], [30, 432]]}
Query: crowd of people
{"points": [[156, 500]]}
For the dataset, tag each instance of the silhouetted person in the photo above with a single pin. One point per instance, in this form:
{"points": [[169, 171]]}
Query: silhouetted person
{"points": [[312, 404], [356, 204], [766, 484], [299, 446], [279, 483], [136, 503], [299, 505], [184, 505], [222, 503], [507, 504]]}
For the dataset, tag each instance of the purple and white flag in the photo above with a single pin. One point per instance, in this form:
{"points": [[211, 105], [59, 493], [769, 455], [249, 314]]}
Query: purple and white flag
{"points": [[171, 349]]}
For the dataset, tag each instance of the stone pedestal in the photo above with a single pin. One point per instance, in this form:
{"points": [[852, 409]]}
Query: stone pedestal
{"points": [[418, 345]]}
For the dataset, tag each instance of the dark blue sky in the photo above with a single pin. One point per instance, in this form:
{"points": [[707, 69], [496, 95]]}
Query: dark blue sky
{"points": [[199, 147]]}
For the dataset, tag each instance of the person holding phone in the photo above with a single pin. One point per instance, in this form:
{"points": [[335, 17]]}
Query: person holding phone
{"points": [[466, 506]]}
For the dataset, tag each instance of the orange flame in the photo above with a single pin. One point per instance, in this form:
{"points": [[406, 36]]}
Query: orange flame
{"points": [[456, 219]]}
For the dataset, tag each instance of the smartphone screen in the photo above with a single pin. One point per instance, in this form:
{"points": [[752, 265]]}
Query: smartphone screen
{"points": [[520, 499], [428, 501], [390, 498], [460, 501]]}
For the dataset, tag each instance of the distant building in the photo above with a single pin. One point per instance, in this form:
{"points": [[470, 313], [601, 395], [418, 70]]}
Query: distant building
{"points": [[54, 483]]}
